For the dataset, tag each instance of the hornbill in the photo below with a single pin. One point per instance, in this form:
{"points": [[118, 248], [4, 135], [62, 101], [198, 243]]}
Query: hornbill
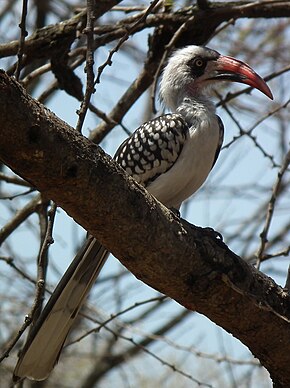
{"points": [[171, 156]]}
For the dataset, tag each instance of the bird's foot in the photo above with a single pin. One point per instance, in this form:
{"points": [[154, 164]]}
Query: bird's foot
{"points": [[211, 232], [176, 212]]}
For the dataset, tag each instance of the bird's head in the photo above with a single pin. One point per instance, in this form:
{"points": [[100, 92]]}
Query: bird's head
{"points": [[193, 70]]}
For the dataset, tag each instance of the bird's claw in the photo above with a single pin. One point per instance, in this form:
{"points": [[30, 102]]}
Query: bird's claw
{"points": [[176, 212], [211, 232]]}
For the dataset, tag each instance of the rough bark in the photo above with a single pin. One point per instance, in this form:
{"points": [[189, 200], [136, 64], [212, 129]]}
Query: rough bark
{"points": [[182, 261]]}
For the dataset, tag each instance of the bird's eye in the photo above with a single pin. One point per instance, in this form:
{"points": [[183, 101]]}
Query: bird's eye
{"points": [[198, 62], [197, 66]]}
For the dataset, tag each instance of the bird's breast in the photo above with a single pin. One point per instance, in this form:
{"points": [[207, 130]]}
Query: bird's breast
{"points": [[193, 164]]}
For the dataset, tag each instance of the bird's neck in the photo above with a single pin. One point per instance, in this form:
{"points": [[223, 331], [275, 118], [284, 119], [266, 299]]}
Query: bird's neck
{"points": [[193, 109]]}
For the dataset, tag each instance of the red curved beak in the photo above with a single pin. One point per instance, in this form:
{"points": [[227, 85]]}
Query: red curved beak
{"points": [[231, 69]]}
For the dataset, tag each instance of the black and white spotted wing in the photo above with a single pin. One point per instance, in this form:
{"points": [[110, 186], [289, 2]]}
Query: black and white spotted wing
{"points": [[153, 148]]}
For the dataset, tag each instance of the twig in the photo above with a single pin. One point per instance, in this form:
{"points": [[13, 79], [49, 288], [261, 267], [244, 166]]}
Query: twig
{"points": [[40, 284], [270, 210], [272, 113], [46, 227], [158, 299], [23, 34], [106, 119], [102, 115], [35, 74], [130, 31], [265, 153], [143, 344], [243, 132], [170, 365], [223, 27], [26, 323], [10, 261], [19, 217], [48, 239], [128, 9], [10, 197], [14, 180], [135, 90], [284, 252], [249, 131], [89, 69]]}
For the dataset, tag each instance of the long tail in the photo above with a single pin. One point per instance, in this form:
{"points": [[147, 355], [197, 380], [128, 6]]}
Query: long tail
{"points": [[47, 337]]}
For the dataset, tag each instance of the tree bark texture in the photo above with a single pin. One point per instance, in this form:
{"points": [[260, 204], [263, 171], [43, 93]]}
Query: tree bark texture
{"points": [[186, 263]]}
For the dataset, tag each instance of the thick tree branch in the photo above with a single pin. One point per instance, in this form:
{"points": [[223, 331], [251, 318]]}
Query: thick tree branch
{"points": [[183, 262], [42, 43]]}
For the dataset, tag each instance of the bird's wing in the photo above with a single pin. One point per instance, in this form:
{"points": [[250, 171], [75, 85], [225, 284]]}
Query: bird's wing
{"points": [[153, 148]]}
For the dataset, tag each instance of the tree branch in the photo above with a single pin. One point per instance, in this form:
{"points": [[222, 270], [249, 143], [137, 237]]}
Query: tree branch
{"points": [[182, 261]]}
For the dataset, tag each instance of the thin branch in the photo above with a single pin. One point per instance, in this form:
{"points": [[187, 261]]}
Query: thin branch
{"points": [[46, 228], [270, 210], [265, 153], [26, 323], [126, 9], [40, 283], [285, 252], [14, 180], [11, 262], [35, 74], [89, 31], [249, 131], [10, 197], [19, 217], [23, 34], [130, 31], [48, 239], [117, 359], [269, 114], [114, 316]]}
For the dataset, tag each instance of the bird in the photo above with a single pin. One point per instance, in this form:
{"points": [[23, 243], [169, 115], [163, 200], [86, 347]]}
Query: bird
{"points": [[171, 156]]}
